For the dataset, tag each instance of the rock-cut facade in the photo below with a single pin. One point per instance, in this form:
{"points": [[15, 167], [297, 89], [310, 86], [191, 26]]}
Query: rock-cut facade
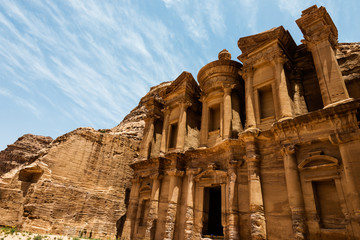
{"points": [[265, 148]]}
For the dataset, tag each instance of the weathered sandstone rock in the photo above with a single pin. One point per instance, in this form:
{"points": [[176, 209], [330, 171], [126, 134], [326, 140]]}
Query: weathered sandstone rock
{"points": [[24, 150], [77, 184]]}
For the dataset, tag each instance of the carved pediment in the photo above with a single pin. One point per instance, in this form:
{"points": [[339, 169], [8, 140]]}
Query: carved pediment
{"points": [[215, 176], [318, 161]]}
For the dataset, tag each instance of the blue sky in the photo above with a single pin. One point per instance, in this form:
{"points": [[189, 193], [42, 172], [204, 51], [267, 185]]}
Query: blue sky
{"points": [[70, 64]]}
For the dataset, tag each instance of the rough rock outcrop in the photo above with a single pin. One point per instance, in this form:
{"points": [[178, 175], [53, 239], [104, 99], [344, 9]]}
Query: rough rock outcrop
{"points": [[24, 150], [348, 56], [77, 184]]}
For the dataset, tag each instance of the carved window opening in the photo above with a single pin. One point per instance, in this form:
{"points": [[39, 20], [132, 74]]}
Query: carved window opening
{"points": [[212, 212], [173, 135], [214, 118], [328, 204], [145, 204], [266, 102]]}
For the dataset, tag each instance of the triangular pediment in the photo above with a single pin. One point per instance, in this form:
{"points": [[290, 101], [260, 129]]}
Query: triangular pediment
{"points": [[215, 176], [318, 161], [183, 85]]}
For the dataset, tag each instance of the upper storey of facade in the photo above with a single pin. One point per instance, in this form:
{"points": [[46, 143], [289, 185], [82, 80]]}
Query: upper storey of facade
{"points": [[276, 81]]}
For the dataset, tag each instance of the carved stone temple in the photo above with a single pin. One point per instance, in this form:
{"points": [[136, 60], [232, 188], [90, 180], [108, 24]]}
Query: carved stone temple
{"points": [[268, 148]]}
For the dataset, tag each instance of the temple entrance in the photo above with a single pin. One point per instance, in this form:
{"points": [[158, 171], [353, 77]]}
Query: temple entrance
{"points": [[212, 212]]}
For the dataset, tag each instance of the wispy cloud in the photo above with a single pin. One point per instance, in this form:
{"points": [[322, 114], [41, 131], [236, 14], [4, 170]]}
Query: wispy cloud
{"points": [[199, 17], [100, 57], [249, 11]]}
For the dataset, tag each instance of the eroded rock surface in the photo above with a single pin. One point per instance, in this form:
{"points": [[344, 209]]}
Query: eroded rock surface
{"points": [[348, 57], [75, 185], [24, 150]]}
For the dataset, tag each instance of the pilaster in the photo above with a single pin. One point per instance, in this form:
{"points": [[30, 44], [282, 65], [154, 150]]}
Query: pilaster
{"points": [[154, 207], [257, 214], [180, 143], [227, 110], [204, 121], [282, 89], [233, 218], [130, 221], [189, 215], [295, 195], [173, 197], [163, 145], [148, 135], [248, 74]]}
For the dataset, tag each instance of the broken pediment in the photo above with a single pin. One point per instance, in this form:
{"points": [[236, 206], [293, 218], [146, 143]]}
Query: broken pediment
{"points": [[254, 43], [184, 84], [318, 161]]}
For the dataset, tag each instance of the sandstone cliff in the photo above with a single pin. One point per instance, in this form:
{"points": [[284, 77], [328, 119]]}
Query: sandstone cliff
{"points": [[348, 56], [75, 185], [24, 150]]}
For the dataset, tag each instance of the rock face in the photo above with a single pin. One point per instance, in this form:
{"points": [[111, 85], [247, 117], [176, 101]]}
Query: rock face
{"points": [[348, 57], [24, 150], [76, 185]]}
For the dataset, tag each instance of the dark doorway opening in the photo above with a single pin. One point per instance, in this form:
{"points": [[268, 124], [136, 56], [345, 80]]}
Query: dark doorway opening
{"points": [[212, 212]]}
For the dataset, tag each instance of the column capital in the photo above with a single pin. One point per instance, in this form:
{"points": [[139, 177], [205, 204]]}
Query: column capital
{"points": [[251, 157], [151, 117], [344, 137], [166, 110], [203, 97], [228, 87], [315, 38], [136, 179], [192, 171], [156, 176], [246, 72], [280, 58], [185, 104], [289, 149], [174, 172]]}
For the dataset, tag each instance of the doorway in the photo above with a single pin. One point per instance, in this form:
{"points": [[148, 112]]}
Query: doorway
{"points": [[212, 212]]}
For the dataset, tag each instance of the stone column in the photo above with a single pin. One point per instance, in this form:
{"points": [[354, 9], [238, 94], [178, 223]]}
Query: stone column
{"points": [[189, 216], [320, 35], [294, 190], [154, 207], [148, 136], [282, 89], [180, 143], [248, 74], [227, 112], [233, 221], [165, 130], [174, 193], [257, 214], [204, 122], [299, 100], [129, 225]]}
